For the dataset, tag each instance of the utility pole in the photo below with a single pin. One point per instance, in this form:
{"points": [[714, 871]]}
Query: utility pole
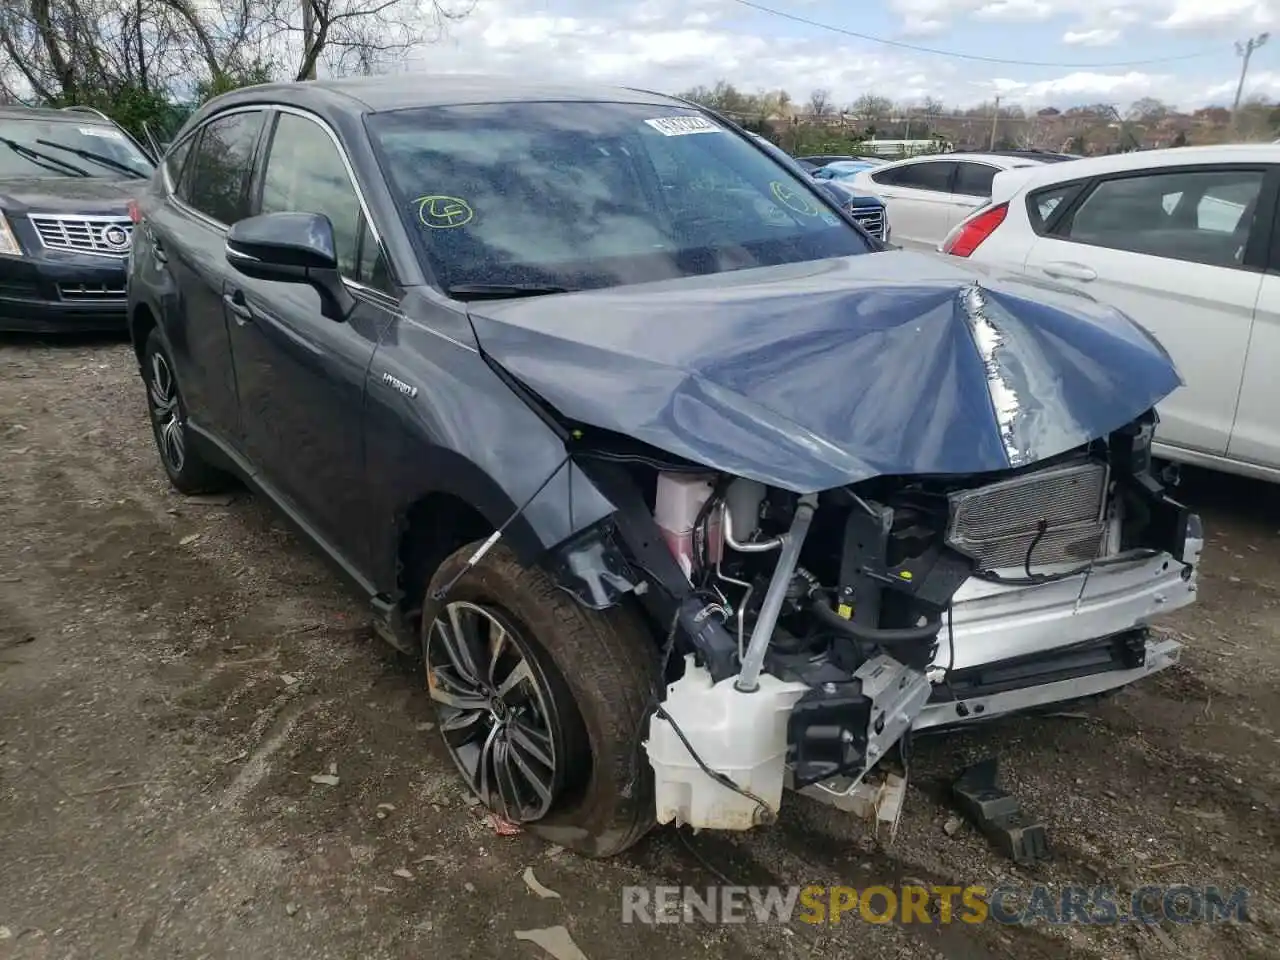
{"points": [[1245, 52], [995, 122]]}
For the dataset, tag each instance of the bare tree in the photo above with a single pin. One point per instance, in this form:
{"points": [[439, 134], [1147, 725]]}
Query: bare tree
{"points": [[1147, 110], [73, 50], [362, 35], [871, 107], [724, 97], [1256, 119], [820, 103], [91, 51]]}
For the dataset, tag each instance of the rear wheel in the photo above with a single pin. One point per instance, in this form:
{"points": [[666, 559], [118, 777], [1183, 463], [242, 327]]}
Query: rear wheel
{"points": [[187, 470], [539, 700]]}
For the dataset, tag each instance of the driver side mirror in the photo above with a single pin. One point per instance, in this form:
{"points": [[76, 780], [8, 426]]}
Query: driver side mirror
{"points": [[292, 248]]}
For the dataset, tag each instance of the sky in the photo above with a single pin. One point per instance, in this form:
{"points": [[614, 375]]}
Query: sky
{"points": [[672, 45]]}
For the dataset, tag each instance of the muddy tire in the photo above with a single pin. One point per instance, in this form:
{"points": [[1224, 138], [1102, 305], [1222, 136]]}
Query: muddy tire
{"points": [[187, 470], [589, 675]]}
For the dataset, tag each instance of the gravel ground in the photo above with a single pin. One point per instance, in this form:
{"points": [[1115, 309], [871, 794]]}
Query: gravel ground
{"points": [[174, 672]]}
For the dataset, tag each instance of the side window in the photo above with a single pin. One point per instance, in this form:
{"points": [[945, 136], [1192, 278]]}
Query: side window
{"points": [[182, 186], [974, 179], [933, 175], [176, 159], [1223, 205], [1199, 216], [305, 174], [1042, 204], [215, 179]]}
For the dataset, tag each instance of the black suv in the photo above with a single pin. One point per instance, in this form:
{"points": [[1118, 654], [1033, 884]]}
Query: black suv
{"points": [[66, 178], [580, 386]]}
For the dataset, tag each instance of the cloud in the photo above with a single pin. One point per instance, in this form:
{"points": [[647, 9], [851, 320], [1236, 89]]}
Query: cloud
{"points": [[924, 27], [1260, 83], [1014, 10], [1084, 87], [1090, 17], [937, 14], [949, 11], [1197, 14], [1099, 37], [672, 45]]}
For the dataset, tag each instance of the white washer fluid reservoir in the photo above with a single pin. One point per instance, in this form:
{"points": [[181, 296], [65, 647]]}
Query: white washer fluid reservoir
{"points": [[741, 735]]}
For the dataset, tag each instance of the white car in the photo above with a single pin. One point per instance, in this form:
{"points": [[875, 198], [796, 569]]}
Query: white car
{"points": [[927, 196], [1183, 240]]}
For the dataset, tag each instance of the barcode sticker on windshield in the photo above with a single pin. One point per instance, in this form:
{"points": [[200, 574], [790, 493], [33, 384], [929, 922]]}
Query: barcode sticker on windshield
{"points": [[102, 132], [679, 126]]}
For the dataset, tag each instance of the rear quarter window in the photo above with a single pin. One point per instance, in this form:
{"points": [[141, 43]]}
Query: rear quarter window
{"points": [[1045, 206]]}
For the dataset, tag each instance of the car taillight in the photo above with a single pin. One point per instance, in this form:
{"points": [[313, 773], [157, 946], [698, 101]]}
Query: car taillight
{"points": [[971, 233], [135, 214]]}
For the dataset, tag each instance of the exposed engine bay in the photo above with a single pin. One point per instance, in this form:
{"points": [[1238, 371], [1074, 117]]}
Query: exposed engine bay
{"points": [[816, 628]]}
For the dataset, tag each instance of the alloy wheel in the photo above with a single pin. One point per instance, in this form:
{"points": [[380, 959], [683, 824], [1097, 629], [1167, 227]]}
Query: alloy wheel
{"points": [[497, 715], [166, 413]]}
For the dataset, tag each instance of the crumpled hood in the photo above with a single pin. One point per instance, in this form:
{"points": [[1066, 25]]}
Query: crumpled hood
{"points": [[810, 376]]}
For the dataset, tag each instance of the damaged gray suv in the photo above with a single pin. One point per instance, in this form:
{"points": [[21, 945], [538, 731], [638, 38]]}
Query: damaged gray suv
{"points": [[684, 489]]}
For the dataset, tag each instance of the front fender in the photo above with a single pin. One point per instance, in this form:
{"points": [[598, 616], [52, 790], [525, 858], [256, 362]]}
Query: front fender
{"points": [[455, 476], [588, 563], [460, 432]]}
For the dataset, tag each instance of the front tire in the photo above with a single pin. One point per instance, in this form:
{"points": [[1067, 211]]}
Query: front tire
{"points": [[188, 472], [539, 701]]}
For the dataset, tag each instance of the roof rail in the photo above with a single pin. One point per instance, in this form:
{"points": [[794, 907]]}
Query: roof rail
{"points": [[152, 141], [76, 108]]}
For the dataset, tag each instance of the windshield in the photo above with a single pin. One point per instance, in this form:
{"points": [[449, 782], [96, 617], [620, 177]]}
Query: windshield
{"points": [[67, 148], [798, 167], [589, 195]]}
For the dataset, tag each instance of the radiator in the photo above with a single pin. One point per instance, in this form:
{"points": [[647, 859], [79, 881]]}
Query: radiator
{"points": [[997, 524]]}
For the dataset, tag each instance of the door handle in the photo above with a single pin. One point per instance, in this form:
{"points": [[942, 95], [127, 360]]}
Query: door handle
{"points": [[239, 309], [1070, 271]]}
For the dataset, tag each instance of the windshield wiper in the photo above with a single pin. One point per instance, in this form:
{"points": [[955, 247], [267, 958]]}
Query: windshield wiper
{"points": [[43, 159], [95, 158], [502, 291]]}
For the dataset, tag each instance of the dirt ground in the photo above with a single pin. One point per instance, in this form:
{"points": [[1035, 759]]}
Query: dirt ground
{"points": [[174, 672]]}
